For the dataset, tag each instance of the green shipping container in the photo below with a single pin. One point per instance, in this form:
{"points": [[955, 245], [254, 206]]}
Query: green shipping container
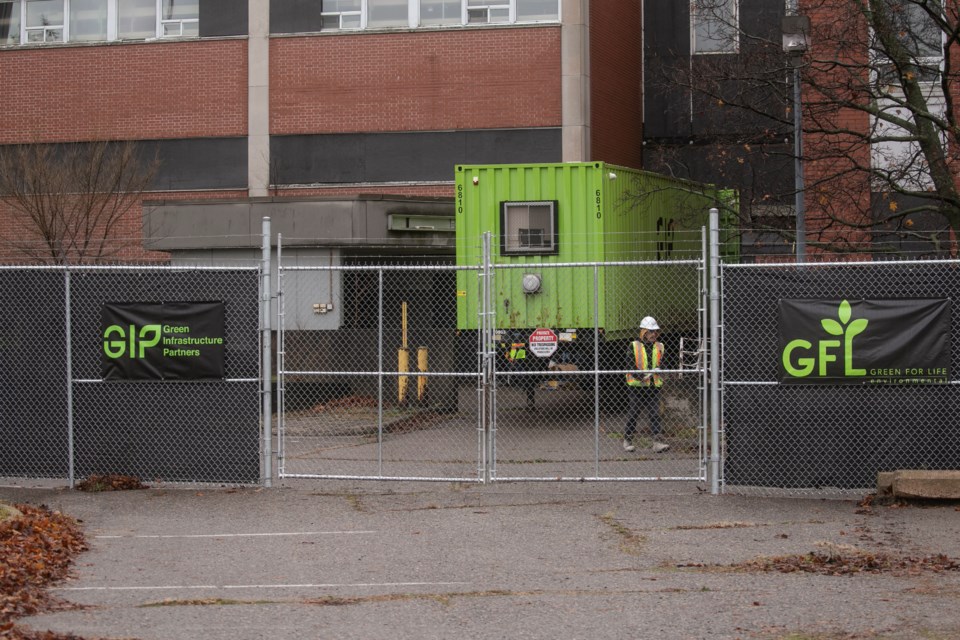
{"points": [[588, 212]]}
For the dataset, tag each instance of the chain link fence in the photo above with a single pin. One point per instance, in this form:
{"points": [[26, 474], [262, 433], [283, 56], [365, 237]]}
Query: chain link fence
{"points": [[62, 418], [822, 439], [436, 372]]}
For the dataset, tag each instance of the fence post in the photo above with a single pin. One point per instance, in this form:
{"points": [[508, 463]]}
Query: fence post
{"points": [[714, 336], [267, 371], [71, 471]]}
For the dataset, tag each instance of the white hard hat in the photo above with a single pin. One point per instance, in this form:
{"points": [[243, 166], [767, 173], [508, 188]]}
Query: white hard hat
{"points": [[650, 324]]}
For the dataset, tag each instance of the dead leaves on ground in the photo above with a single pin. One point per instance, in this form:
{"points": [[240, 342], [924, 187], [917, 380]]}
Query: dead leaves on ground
{"points": [[110, 482], [842, 560], [36, 550]]}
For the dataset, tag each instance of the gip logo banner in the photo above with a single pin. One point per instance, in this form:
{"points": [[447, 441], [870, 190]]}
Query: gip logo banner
{"points": [[896, 341], [162, 341]]}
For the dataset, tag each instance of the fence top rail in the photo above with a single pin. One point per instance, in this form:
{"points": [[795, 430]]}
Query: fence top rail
{"points": [[495, 266], [121, 267], [860, 263]]}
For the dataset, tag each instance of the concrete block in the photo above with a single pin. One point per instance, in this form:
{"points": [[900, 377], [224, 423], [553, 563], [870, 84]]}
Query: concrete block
{"points": [[928, 485], [885, 482]]}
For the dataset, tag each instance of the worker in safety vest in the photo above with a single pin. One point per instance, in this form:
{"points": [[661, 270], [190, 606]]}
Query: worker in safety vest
{"points": [[644, 383], [516, 356]]}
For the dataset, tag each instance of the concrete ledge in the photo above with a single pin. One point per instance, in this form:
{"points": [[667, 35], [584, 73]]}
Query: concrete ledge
{"points": [[926, 485]]}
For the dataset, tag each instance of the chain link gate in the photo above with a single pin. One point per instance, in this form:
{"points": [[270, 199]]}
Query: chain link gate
{"points": [[377, 382], [374, 380]]}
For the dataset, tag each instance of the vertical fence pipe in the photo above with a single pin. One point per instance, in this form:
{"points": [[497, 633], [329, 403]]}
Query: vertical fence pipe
{"points": [[701, 352], [68, 344], [281, 387], [380, 371], [596, 370], [714, 351], [267, 372], [488, 407]]}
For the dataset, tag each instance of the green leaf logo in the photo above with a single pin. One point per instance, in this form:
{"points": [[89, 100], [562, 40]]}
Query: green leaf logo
{"points": [[844, 312], [832, 327]]}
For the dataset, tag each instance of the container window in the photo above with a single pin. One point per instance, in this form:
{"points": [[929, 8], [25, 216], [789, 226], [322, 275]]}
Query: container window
{"points": [[528, 228]]}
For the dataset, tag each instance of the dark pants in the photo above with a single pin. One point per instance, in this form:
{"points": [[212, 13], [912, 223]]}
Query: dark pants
{"points": [[643, 399]]}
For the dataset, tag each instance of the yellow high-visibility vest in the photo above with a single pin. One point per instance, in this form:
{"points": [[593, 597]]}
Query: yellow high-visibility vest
{"points": [[640, 358]]}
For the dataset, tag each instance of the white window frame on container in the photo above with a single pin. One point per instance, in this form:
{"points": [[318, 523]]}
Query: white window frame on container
{"points": [[516, 240], [902, 159], [714, 27]]}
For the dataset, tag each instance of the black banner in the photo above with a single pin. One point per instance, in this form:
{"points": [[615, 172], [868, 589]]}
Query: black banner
{"points": [[162, 341], [897, 341]]}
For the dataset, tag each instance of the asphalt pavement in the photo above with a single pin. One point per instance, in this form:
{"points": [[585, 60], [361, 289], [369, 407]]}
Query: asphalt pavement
{"points": [[348, 559]]}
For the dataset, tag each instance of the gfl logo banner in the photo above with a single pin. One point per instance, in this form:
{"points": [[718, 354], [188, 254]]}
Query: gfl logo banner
{"points": [[891, 341]]}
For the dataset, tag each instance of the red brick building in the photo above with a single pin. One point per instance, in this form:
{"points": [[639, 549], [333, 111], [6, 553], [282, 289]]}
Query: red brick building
{"points": [[255, 106]]}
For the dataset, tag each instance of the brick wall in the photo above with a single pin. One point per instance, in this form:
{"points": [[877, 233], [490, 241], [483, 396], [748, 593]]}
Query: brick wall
{"points": [[424, 81], [616, 112], [19, 238], [124, 91]]}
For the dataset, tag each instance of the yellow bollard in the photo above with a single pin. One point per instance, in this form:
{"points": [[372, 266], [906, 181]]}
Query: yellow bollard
{"points": [[403, 366], [422, 357], [403, 357]]}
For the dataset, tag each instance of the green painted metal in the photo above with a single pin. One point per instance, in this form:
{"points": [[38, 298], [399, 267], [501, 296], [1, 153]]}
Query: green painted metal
{"points": [[605, 213]]}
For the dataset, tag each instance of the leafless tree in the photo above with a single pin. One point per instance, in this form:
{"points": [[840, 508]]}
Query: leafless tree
{"points": [[881, 125], [68, 200]]}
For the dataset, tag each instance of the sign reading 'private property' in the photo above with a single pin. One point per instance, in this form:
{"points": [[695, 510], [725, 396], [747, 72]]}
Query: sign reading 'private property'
{"points": [[898, 341], [162, 341]]}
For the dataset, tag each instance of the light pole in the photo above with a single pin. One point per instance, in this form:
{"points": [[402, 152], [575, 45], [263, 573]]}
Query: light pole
{"points": [[795, 43]]}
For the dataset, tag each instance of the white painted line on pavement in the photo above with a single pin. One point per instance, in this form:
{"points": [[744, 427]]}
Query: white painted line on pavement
{"points": [[329, 585], [237, 535]]}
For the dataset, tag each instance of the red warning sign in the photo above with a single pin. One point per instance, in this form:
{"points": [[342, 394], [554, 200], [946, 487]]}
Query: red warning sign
{"points": [[543, 343]]}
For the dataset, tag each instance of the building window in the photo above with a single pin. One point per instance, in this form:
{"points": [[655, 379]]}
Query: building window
{"points": [[528, 228], [440, 12], [920, 36], [536, 10], [38, 21], [897, 156], [180, 18], [88, 20], [410, 14], [342, 14], [137, 19], [714, 26], [44, 21], [387, 13], [10, 22], [481, 11]]}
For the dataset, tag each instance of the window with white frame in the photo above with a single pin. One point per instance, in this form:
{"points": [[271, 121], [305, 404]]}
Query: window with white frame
{"points": [[342, 14], [9, 22], [482, 11], [89, 20], [387, 13], [528, 227], [536, 10], [714, 26], [137, 19], [897, 155], [41, 21], [179, 18], [440, 12]]}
